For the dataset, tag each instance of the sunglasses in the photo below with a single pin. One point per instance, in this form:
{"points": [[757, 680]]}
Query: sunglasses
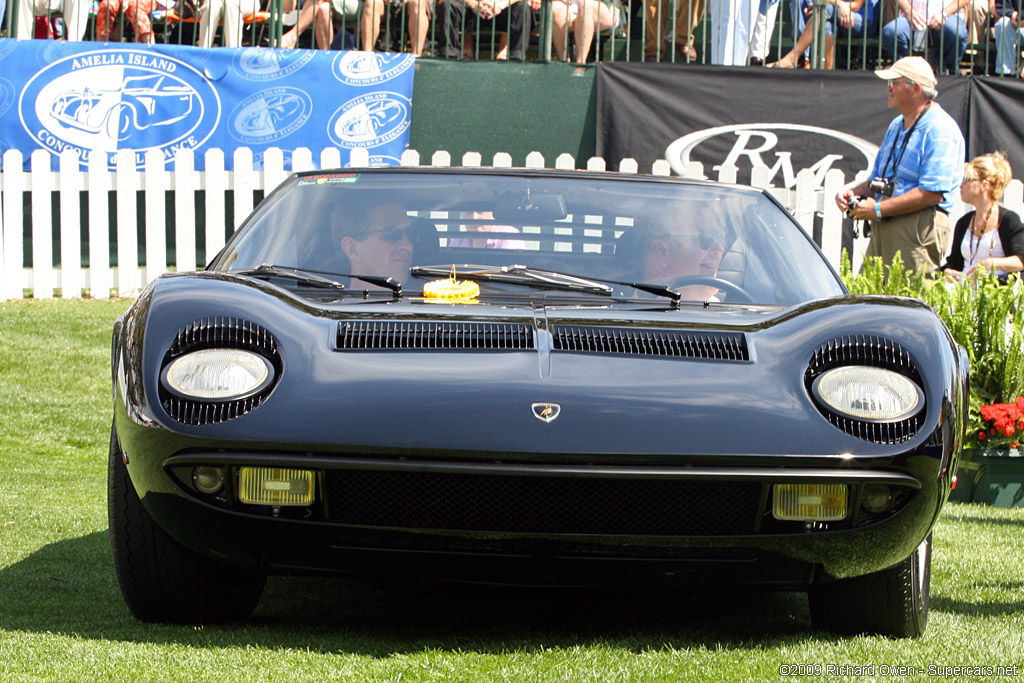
{"points": [[891, 82], [391, 234]]}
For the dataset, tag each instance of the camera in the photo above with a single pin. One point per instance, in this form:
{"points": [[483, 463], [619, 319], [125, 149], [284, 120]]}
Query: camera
{"points": [[882, 186], [851, 204]]}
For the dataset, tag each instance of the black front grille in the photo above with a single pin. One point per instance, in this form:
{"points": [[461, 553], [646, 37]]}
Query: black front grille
{"points": [[394, 334], [541, 505], [651, 342]]}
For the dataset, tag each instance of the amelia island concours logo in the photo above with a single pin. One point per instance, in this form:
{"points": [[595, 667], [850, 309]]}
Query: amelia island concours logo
{"points": [[772, 146], [104, 101], [270, 64], [270, 115], [354, 67], [370, 120]]}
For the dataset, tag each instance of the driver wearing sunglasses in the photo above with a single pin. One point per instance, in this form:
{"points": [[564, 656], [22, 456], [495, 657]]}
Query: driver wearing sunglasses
{"points": [[694, 248], [378, 241]]}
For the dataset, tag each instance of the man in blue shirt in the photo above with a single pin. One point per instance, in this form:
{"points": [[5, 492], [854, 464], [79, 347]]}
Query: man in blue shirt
{"points": [[922, 158]]}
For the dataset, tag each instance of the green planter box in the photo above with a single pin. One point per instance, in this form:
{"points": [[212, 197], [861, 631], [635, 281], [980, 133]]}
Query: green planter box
{"points": [[994, 476]]}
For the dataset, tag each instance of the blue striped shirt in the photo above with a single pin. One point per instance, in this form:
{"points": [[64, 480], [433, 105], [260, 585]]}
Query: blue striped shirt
{"points": [[933, 159]]}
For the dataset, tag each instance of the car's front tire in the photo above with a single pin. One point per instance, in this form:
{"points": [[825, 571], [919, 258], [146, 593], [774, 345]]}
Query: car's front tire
{"points": [[892, 602], [159, 578]]}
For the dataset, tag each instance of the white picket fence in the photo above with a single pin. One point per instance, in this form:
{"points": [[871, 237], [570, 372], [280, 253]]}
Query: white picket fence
{"points": [[67, 279]]}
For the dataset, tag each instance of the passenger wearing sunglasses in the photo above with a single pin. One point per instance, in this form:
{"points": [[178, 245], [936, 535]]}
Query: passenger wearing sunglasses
{"points": [[377, 241], [692, 246]]}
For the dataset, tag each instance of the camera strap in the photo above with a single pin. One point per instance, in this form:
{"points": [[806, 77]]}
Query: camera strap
{"points": [[903, 147]]}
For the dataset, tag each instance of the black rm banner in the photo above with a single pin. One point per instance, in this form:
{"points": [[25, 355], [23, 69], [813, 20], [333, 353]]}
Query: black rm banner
{"points": [[784, 119], [996, 114]]}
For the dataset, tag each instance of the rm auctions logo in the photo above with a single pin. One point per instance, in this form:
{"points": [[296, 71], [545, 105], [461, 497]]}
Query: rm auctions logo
{"points": [[751, 141], [108, 100], [354, 67], [370, 120], [269, 115]]}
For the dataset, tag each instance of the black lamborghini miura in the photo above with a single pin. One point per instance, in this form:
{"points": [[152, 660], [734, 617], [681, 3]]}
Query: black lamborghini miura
{"points": [[528, 377]]}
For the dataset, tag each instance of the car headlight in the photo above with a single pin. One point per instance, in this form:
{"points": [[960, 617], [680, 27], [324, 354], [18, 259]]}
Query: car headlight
{"points": [[218, 374], [868, 393]]}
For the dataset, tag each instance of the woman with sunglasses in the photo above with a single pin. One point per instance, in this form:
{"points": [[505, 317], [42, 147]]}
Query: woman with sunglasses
{"points": [[991, 236]]}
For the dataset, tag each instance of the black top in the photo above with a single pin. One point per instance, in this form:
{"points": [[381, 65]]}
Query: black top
{"points": [[1011, 234]]}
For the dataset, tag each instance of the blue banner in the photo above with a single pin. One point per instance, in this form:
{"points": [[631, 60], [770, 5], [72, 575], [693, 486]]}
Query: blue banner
{"points": [[100, 98]]}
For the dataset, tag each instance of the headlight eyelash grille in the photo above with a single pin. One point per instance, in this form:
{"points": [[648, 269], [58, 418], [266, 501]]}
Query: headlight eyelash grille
{"points": [[876, 352], [219, 332]]}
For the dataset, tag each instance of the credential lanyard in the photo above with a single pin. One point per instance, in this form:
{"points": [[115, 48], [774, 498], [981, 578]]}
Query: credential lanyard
{"points": [[903, 147]]}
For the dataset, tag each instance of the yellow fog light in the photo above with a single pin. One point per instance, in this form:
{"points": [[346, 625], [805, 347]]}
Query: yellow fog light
{"points": [[809, 502], [275, 486]]}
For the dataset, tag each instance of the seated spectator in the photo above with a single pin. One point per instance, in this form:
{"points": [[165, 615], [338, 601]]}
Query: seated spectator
{"points": [[1008, 35], [320, 14], [135, 11], [583, 19], [74, 12], [857, 19], [931, 24], [515, 18], [418, 11], [233, 13]]}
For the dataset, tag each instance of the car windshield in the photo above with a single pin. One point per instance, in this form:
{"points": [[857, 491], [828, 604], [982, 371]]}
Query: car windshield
{"points": [[585, 234]]}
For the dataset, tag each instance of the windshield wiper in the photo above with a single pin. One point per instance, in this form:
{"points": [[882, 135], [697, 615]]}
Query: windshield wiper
{"points": [[535, 277], [314, 277]]}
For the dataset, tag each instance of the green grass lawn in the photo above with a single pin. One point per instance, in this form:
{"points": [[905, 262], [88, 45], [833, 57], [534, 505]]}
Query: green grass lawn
{"points": [[62, 617]]}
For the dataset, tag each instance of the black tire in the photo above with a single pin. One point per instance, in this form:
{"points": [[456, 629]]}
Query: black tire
{"points": [[160, 579], [892, 602]]}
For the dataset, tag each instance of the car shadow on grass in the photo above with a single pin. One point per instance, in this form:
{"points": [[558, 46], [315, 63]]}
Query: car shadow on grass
{"points": [[70, 587]]}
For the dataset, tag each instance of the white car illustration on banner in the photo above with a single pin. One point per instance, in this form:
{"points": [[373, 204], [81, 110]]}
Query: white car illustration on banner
{"points": [[139, 103]]}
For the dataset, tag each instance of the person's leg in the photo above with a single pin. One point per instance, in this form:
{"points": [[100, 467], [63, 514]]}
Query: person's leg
{"points": [[559, 27], [691, 12], [231, 29], [323, 25], [896, 37], [803, 43], [138, 13], [369, 24], [209, 15], [594, 17], [760, 37], [76, 18], [656, 12], [953, 42], [106, 17], [306, 15], [419, 22], [517, 21], [453, 12], [1006, 47]]}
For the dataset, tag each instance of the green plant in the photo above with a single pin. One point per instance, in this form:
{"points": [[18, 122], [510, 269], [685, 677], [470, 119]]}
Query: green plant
{"points": [[982, 315]]}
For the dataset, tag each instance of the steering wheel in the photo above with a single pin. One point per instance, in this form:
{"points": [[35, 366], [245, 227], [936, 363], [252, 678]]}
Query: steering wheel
{"points": [[729, 288]]}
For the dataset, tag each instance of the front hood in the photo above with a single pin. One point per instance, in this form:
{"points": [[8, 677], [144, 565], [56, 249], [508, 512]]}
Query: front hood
{"points": [[623, 401]]}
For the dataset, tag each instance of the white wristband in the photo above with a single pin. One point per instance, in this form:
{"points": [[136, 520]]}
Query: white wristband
{"points": [[878, 210]]}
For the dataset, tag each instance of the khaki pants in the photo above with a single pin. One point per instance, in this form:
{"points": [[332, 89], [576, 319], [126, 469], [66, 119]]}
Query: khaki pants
{"points": [[689, 15], [921, 238]]}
